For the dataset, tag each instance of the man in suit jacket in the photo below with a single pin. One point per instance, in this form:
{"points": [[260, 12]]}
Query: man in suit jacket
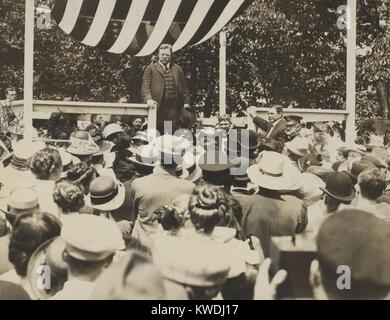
{"points": [[165, 87], [276, 126]]}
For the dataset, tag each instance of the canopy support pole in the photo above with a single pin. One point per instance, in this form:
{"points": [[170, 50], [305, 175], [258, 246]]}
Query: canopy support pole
{"points": [[28, 68], [222, 73], [350, 134]]}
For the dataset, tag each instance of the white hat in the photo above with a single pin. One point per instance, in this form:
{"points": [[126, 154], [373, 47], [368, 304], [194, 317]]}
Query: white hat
{"points": [[91, 238], [275, 172], [23, 199], [24, 149], [298, 146], [82, 144], [111, 129], [192, 261], [105, 194]]}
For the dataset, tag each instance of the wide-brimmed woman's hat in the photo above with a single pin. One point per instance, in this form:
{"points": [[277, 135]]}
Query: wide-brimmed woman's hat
{"points": [[82, 144], [339, 186], [105, 194], [275, 172], [48, 255]]}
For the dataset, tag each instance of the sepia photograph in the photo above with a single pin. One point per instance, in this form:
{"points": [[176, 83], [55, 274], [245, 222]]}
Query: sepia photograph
{"points": [[209, 150]]}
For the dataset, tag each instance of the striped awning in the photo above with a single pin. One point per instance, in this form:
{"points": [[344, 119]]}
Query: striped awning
{"points": [[138, 27]]}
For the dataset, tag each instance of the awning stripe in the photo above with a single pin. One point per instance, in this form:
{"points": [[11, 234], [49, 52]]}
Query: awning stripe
{"points": [[130, 27], [229, 12], [193, 24], [71, 15], [139, 27], [100, 22], [161, 28]]}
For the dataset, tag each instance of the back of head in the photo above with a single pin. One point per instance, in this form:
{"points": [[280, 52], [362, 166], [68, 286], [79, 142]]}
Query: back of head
{"points": [[359, 242], [46, 164], [209, 206], [68, 196], [29, 232], [372, 183]]}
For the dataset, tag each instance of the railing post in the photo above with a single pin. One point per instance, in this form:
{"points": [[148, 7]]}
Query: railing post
{"points": [[351, 72], [28, 68]]}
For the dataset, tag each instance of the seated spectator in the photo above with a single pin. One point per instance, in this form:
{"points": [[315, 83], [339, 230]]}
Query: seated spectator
{"points": [[91, 243], [29, 232], [360, 242]]}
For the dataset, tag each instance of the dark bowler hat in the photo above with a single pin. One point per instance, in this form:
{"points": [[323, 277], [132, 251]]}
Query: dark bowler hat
{"points": [[339, 186], [291, 120], [242, 139], [360, 241]]}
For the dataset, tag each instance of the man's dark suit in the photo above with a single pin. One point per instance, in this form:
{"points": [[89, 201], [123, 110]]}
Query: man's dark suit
{"points": [[153, 87], [277, 132]]}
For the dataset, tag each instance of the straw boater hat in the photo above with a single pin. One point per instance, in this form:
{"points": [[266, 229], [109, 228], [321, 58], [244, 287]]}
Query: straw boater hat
{"points": [[105, 194], [275, 172], [81, 144]]}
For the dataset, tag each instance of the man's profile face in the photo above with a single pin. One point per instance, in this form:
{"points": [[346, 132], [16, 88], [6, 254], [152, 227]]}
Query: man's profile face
{"points": [[165, 56], [273, 115], [11, 95]]}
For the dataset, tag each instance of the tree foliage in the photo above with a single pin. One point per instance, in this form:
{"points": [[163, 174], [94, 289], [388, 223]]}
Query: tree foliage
{"points": [[291, 52]]}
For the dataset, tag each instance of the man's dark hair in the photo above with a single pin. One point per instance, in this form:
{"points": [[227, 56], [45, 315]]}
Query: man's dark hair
{"points": [[372, 183], [165, 46], [278, 108]]}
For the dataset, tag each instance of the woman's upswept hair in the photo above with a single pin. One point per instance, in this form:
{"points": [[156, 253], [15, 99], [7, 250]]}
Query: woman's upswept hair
{"points": [[68, 196], [210, 206], [45, 162]]}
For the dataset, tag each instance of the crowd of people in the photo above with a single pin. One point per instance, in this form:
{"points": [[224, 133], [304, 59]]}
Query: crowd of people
{"points": [[117, 211]]}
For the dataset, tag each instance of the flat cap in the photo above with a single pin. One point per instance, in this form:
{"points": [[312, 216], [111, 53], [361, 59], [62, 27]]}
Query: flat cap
{"points": [[91, 238], [359, 240]]}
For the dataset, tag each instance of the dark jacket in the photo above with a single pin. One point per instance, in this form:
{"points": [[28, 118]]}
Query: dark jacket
{"points": [[265, 216], [277, 133], [153, 84]]}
